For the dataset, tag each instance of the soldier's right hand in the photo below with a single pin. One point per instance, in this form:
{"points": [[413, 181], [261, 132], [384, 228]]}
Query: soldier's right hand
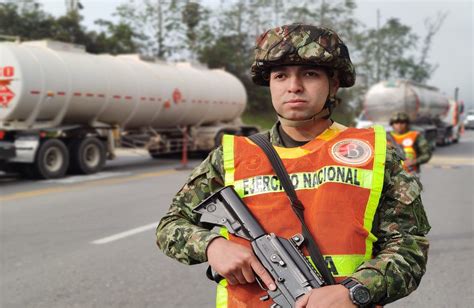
{"points": [[236, 263]]}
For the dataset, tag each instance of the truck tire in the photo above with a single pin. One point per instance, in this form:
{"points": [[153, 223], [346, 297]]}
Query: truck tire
{"points": [[87, 155], [52, 160]]}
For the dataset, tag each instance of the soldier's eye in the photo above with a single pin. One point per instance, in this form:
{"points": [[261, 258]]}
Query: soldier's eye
{"points": [[278, 75], [312, 73]]}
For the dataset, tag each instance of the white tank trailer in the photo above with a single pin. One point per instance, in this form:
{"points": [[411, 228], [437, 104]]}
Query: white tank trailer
{"points": [[429, 110], [63, 109]]}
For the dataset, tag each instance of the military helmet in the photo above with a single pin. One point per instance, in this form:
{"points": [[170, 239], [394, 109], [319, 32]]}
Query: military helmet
{"points": [[300, 44], [399, 117]]}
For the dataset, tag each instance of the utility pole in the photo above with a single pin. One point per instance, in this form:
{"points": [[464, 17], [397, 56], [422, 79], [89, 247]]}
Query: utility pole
{"points": [[377, 55], [72, 6], [159, 34], [323, 9]]}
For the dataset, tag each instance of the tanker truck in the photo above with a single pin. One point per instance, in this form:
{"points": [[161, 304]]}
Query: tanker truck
{"points": [[65, 110], [430, 112]]}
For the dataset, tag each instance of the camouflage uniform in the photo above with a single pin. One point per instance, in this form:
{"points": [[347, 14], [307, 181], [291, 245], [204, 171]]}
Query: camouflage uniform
{"points": [[400, 224], [423, 150]]}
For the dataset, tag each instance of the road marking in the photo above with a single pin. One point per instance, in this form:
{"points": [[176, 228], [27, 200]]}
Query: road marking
{"points": [[85, 178], [45, 191], [451, 161], [125, 234]]}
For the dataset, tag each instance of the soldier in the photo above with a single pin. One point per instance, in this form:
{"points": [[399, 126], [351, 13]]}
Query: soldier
{"points": [[416, 149], [368, 221]]}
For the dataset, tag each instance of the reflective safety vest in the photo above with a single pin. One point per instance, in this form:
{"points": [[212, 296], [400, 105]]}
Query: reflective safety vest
{"points": [[407, 141], [338, 177]]}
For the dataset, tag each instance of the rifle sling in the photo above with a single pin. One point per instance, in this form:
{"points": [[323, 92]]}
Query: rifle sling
{"points": [[296, 204]]}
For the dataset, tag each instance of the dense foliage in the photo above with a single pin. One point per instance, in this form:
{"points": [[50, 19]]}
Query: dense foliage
{"points": [[222, 36]]}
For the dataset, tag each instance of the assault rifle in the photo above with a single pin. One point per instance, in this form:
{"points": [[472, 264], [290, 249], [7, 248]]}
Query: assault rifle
{"points": [[293, 274]]}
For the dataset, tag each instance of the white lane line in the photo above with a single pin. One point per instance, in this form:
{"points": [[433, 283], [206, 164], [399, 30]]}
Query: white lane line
{"points": [[125, 234], [86, 178]]}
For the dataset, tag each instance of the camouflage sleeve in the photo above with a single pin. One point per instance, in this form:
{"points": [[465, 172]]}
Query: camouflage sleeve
{"points": [[179, 234], [423, 150], [401, 251]]}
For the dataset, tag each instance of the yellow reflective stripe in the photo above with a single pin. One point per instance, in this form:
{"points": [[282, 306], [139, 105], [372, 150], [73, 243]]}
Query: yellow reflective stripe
{"points": [[221, 294], [344, 265], [305, 180], [228, 152], [377, 184], [221, 290], [297, 152], [224, 232], [288, 153]]}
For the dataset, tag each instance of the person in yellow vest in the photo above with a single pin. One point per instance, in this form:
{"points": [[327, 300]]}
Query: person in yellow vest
{"points": [[415, 146], [363, 210]]}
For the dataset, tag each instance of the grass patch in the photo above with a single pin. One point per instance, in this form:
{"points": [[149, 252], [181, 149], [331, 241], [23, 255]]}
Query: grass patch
{"points": [[264, 120]]}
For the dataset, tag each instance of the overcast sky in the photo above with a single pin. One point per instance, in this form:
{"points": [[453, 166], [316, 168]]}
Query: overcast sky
{"points": [[452, 48]]}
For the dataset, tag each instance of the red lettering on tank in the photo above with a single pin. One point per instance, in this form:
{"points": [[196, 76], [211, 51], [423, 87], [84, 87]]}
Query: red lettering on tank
{"points": [[7, 71], [177, 97], [61, 93], [167, 104], [6, 95]]}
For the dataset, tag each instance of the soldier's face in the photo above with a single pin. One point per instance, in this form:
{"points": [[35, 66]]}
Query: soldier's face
{"points": [[400, 127], [299, 92]]}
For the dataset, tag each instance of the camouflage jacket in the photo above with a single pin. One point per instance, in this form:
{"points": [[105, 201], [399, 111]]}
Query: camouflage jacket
{"points": [[400, 253], [423, 150]]}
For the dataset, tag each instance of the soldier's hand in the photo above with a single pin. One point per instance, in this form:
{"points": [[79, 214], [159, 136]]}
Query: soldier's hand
{"points": [[236, 263], [335, 296]]}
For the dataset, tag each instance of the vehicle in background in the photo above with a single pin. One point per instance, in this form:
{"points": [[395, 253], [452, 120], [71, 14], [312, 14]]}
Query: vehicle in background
{"points": [[65, 110], [469, 120], [430, 111]]}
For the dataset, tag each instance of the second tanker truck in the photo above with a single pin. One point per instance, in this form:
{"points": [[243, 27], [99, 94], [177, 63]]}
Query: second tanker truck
{"points": [[429, 110], [63, 109]]}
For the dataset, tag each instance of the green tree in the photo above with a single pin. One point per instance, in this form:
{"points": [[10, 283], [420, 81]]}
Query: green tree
{"points": [[158, 23], [392, 52], [25, 19], [116, 39]]}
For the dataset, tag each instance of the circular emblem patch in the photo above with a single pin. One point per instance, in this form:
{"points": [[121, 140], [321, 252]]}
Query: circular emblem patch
{"points": [[407, 142], [352, 151]]}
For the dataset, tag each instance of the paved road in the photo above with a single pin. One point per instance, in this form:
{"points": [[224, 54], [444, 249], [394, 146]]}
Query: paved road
{"points": [[89, 241]]}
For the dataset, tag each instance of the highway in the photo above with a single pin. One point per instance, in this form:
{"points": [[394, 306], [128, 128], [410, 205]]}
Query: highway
{"points": [[88, 241]]}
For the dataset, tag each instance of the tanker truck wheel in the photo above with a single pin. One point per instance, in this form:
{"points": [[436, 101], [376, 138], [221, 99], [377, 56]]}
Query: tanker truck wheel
{"points": [[87, 155], [52, 160]]}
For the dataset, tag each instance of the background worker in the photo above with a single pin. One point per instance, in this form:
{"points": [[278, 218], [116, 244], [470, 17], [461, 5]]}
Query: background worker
{"points": [[374, 235], [415, 146]]}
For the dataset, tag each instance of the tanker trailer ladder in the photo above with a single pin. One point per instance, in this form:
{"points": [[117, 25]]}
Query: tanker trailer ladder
{"points": [[164, 142]]}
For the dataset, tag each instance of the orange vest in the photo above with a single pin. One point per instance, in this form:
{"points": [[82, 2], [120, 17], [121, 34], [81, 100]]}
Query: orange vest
{"points": [[338, 177], [407, 141]]}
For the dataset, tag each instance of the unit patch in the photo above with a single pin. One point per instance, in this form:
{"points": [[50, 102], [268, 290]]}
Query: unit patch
{"points": [[354, 152], [407, 142]]}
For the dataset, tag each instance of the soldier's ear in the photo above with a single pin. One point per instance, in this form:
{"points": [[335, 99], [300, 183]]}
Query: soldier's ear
{"points": [[334, 84]]}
